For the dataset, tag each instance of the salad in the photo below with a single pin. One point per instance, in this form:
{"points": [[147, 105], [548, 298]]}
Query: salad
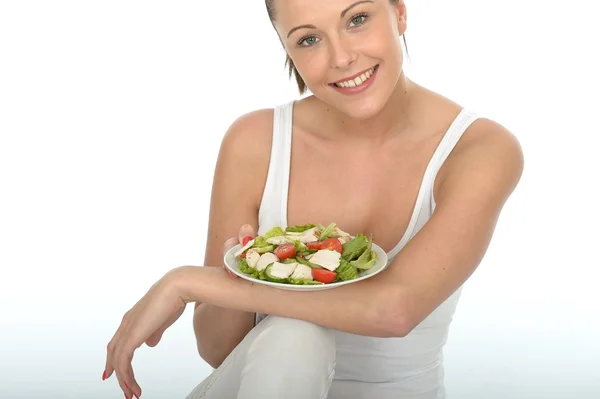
{"points": [[306, 254]]}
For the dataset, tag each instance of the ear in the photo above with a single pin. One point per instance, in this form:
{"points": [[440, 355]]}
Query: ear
{"points": [[400, 9]]}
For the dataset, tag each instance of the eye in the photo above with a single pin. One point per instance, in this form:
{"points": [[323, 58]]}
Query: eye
{"points": [[307, 41], [358, 20]]}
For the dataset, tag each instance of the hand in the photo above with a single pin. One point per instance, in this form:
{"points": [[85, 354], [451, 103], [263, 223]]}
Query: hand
{"points": [[145, 322], [246, 233]]}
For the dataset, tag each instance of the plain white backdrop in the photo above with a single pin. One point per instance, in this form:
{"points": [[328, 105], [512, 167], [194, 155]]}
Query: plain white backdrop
{"points": [[111, 116]]}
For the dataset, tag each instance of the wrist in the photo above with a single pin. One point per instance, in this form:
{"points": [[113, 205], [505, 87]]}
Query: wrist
{"points": [[181, 279]]}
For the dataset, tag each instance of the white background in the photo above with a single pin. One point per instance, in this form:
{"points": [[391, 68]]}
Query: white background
{"points": [[111, 115]]}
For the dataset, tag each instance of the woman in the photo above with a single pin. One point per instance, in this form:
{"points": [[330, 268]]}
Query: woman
{"points": [[373, 152]]}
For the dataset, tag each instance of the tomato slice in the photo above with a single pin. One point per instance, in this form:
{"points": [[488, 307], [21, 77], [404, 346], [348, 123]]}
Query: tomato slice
{"points": [[314, 245], [243, 255], [245, 240], [323, 275], [285, 251], [332, 244]]}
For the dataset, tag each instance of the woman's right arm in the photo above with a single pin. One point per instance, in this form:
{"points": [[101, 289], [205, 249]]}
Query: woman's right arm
{"points": [[238, 184]]}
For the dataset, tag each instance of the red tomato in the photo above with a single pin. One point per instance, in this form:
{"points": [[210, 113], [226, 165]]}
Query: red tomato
{"points": [[245, 240], [323, 275], [243, 255], [285, 251], [314, 245], [332, 244]]}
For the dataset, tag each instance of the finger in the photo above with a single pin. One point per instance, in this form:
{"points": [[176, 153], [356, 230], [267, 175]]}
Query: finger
{"points": [[110, 348], [133, 387], [124, 371], [245, 230], [230, 243]]}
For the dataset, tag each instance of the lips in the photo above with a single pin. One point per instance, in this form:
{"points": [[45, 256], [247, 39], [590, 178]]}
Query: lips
{"points": [[356, 79]]}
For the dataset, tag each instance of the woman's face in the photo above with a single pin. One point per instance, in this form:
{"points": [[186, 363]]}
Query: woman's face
{"points": [[337, 44]]}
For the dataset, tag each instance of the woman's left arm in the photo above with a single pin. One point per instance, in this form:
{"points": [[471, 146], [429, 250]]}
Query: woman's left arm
{"points": [[480, 177]]}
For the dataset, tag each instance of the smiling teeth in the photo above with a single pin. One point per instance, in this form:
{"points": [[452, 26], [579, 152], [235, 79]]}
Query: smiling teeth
{"points": [[358, 80]]}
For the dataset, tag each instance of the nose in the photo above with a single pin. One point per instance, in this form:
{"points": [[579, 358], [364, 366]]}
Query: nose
{"points": [[342, 55]]}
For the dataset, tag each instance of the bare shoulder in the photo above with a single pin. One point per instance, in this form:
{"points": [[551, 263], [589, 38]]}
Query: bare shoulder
{"points": [[489, 157], [249, 136], [244, 157]]}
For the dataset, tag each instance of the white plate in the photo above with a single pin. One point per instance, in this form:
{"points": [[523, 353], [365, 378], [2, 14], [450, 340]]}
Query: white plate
{"points": [[232, 264]]}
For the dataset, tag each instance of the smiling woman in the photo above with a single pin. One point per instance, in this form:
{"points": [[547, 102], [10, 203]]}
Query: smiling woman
{"points": [[383, 156], [358, 19]]}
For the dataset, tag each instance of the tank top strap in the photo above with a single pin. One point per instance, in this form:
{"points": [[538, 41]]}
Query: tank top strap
{"points": [[425, 202], [273, 208], [460, 124]]}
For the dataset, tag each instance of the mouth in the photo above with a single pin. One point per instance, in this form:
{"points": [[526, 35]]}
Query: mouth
{"points": [[357, 80]]}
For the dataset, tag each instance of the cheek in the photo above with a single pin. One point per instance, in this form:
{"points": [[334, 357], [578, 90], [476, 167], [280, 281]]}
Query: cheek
{"points": [[313, 65]]}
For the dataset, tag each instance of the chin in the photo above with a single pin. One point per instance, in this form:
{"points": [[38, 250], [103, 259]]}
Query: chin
{"points": [[362, 105]]}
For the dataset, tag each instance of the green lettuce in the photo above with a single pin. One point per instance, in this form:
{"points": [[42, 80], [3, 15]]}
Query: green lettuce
{"points": [[354, 248], [260, 241], [274, 232], [346, 271], [367, 260], [327, 232], [299, 228], [246, 269]]}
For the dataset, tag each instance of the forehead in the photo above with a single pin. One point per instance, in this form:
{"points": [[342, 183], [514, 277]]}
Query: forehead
{"points": [[293, 12]]}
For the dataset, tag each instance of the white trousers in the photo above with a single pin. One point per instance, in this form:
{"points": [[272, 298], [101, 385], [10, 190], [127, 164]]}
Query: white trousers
{"points": [[280, 358]]}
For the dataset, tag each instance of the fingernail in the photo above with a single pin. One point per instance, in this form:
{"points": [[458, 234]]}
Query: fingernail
{"points": [[103, 375], [136, 397], [126, 397]]}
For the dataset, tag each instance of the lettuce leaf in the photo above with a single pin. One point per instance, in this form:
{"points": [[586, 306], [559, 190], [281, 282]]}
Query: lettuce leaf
{"points": [[299, 228], [354, 248], [274, 232], [246, 269], [327, 232], [366, 261], [260, 241], [346, 271]]}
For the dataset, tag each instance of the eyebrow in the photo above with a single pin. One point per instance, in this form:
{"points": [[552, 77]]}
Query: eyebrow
{"points": [[341, 16]]}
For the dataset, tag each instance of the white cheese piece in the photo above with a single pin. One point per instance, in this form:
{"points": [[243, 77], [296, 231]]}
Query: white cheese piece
{"points": [[278, 240], [265, 260], [245, 247], [326, 258], [252, 257], [304, 237], [302, 272], [282, 270]]}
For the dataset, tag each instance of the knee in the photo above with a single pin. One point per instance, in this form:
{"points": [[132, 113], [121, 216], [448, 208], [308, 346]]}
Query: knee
{"points": [[297, 341]]}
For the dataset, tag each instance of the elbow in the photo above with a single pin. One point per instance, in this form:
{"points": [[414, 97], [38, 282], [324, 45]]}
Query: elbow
{"points": [[394, 319], [396, 324]]}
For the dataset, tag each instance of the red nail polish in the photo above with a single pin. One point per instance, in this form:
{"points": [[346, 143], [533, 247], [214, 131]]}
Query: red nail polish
{"points": [[125, 396], [104, 375]]}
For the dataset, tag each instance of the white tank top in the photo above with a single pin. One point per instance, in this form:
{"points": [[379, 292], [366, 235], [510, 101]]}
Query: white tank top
{"points": [[408, 367]]}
